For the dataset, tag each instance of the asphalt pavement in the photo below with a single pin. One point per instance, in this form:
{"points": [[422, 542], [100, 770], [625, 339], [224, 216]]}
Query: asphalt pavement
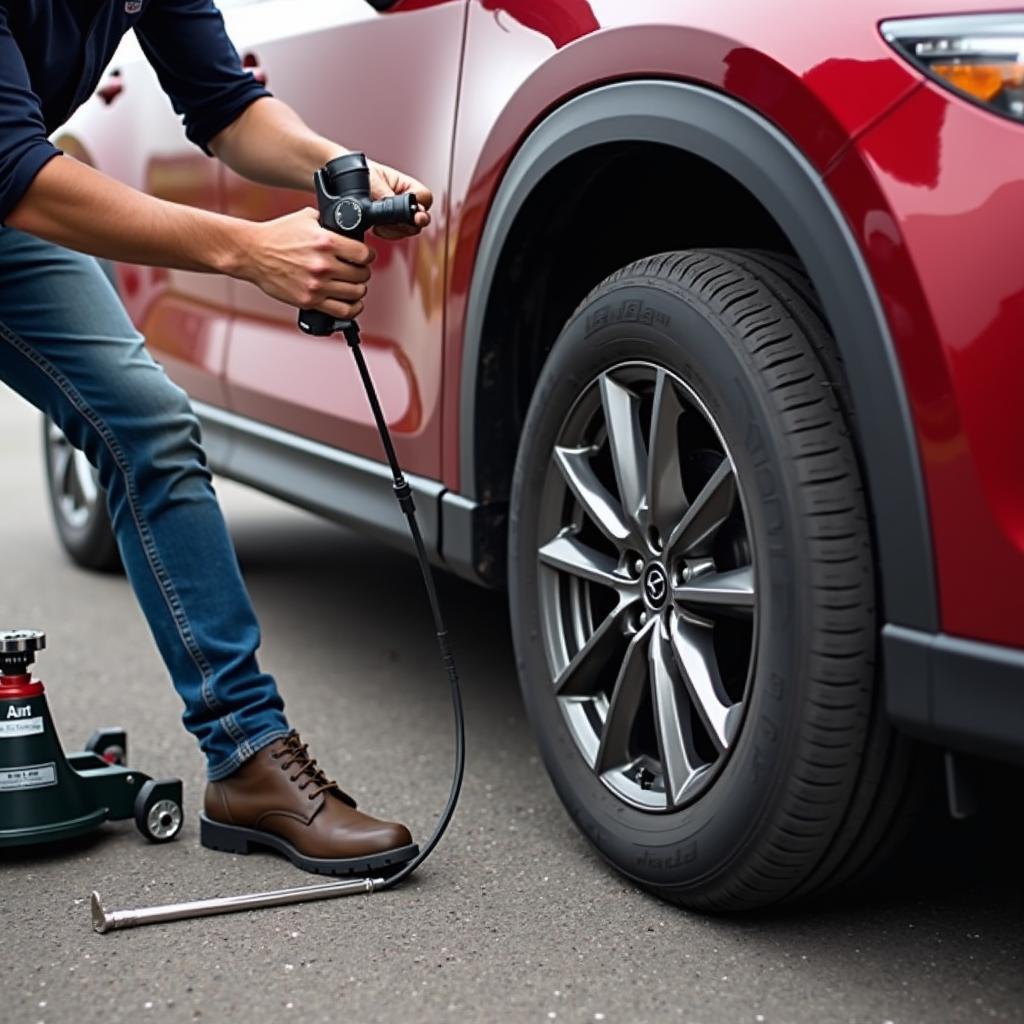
{"points": [[515, 918]]}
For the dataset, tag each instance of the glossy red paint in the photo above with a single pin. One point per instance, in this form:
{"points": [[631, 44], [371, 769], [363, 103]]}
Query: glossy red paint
{"points": [[821, 88], [191, 337], [936, 206], [954, 312], [306, 385], [184, 316]]}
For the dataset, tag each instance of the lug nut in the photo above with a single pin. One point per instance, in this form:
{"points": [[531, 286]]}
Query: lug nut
{"points": [[638, 566]]}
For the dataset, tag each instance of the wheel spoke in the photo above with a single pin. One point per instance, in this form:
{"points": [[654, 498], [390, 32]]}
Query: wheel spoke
{"points": [[624, 705], [695, 656], [671, 722], [625, 440], [665, 493], [86, 480], [707, 512], [568, 553], [731, 592], [597, 503], [580, 677]]}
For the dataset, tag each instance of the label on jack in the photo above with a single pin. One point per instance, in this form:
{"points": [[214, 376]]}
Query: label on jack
{"points": [[20, 727], [32, 776]]}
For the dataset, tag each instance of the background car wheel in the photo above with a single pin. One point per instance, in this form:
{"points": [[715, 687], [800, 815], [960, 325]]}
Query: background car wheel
{"points": [[79, 504], [692, 588]]}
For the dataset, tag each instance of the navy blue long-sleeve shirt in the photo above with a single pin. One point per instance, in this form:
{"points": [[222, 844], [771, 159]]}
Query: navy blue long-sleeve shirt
{"points": [[53, 52]]}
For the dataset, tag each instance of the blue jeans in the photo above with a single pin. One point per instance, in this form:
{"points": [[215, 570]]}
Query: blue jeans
{"points": [[68, 346]]}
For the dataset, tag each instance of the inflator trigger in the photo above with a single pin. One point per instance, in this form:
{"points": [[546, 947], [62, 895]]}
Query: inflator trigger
{"points": [[343, 200], [345, 180]]}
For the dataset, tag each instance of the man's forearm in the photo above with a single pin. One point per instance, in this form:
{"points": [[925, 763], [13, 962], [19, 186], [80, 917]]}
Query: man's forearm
{"points": [[76, 206], [291, 258], [270, 144]]}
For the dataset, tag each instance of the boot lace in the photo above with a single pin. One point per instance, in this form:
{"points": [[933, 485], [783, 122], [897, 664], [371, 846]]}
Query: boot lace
{"points": [[293, 751]]}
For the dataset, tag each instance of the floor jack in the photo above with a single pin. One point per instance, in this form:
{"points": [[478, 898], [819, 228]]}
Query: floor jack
{"points": [[343, 196], [47, 795]]}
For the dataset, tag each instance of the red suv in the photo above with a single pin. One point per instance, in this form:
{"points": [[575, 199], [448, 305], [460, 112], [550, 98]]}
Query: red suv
{"points": [[712, 355]]}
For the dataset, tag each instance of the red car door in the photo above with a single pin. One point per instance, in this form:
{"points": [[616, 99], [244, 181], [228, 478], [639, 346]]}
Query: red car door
{"points": [[385, 83]]}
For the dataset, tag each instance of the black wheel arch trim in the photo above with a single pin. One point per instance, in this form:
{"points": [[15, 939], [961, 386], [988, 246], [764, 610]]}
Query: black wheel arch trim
{"points": [[765, 161]]}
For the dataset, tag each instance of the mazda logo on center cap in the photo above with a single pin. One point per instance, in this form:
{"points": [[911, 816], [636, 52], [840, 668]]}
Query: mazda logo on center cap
{"points": [[655, 585]]}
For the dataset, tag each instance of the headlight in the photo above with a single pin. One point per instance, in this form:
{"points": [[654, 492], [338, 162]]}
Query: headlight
{"points": [[979, 56]]}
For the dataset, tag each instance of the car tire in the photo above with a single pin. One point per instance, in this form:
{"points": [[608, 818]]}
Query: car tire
{"points": [[899, 774], [78, 504], [695, 628]]}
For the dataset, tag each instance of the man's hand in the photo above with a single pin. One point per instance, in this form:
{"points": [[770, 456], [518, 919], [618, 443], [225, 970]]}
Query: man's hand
{"points": [[386, 181], [269, 143], [295, 260]]}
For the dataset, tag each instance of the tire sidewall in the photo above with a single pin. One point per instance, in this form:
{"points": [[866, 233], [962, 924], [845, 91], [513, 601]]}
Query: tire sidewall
{"points": [[660, 324]]}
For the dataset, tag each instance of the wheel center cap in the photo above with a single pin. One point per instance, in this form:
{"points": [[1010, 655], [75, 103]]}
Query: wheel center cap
{"points": [[655, 586]]}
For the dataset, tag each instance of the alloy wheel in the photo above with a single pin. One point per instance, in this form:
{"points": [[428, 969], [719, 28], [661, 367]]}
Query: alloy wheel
{"points": [[73, 480], [647, 588]]}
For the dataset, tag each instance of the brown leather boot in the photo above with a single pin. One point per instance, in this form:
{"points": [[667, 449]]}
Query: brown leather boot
{"points": [[279, 799]]}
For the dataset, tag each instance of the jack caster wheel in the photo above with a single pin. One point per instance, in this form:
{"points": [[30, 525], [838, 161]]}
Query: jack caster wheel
{"points": [[158, 810], [111, 744]]}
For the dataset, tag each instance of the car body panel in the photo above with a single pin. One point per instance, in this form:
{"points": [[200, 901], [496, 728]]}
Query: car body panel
{"points": [[307, 385], [825, 106], [821, 88], [748, 150], [939, 228]]}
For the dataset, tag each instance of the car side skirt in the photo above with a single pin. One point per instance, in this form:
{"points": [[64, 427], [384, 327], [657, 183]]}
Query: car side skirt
{"points": [[963, 694], [347, 489]]}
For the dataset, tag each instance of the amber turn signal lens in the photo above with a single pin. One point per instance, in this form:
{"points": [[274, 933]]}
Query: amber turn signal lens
{"points": [[982, 81], [979, 56]]}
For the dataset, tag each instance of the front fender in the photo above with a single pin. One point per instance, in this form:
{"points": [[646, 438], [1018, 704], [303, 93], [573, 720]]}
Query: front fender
{"points": [[753, 151]]}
